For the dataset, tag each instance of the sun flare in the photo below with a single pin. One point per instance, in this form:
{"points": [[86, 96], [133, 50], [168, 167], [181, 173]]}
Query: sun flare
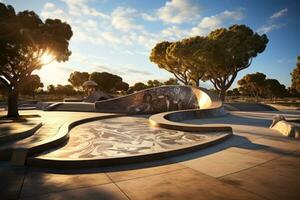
{"points": [[46, 58]]}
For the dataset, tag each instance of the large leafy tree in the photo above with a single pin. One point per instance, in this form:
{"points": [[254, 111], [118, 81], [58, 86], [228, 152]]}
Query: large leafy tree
{"points": [[274, 89], [25, 42], [31, 86], [160, 56], [191, 53], [296, 76], [253, 84], [78, 78], [108, 82], [257, 85], [218, 57], [233, 50]]}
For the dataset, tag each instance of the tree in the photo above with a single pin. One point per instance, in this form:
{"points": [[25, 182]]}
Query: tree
{"points": [[292, 92], [61, 90], [108, 82], [31, 85], [296, 76], [233, 92], [232, 50], [153, 83], [78, 78], [122, 86], [26, 43], [137, 87], [171, 81], [252, 84], [67, 90], [160, 56], [217, 58], [274, 89], [51, 89], [3, 91], [192, 54]]}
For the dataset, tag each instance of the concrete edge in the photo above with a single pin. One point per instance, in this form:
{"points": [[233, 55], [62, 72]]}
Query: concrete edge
{"points": [[171, 120]]}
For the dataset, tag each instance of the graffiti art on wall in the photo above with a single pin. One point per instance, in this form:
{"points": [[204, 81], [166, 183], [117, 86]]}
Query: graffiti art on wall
{"points": [[160, 99]]}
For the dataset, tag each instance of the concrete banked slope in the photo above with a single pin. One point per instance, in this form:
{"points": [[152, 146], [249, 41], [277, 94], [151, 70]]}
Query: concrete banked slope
{"points": [[169, 104]]}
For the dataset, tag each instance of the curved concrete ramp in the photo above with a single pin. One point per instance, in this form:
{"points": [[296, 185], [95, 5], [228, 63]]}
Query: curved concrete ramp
{"points": [[160, 99]]}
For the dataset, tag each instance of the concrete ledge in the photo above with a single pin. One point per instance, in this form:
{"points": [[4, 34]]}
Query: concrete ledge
{"points": [[171, 120], [45, 162], [71, 106]]}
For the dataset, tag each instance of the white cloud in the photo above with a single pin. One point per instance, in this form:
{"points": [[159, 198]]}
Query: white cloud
{"points": [[49, 6], [279, 13], [148, 17], [173, 32], [267, 28], [123, 19], [208, 24], [79, 7], [178, 11], [111, 37], [270, 25]]}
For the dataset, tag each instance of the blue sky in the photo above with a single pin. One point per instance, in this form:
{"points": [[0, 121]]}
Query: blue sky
{"points": [[117, 36]]}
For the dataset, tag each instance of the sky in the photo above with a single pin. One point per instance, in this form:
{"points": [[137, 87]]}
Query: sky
{"points": [[117, 36]]}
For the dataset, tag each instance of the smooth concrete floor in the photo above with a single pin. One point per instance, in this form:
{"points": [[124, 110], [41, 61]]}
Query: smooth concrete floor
{"points": [[256, 163]]}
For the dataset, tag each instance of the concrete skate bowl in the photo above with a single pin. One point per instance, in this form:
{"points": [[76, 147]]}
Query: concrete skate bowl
{"points": [[133, 135], [116, 140]]}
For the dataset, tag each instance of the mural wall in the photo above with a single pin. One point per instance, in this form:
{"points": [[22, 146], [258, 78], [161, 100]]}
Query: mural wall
{"points": [[155, 100]]}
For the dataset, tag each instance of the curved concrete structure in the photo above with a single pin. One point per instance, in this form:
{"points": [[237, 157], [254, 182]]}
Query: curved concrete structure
{"points": [[115, 140], [111, 141], [159, 99], [149, 101]]}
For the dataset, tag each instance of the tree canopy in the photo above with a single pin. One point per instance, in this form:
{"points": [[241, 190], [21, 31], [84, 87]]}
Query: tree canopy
{"points": [[296, 76], [78, 78], [137, 87], [24, 41], [234, 49], [257, 85], [217, 58], [31, 85], [252, 84], [108, 82]]}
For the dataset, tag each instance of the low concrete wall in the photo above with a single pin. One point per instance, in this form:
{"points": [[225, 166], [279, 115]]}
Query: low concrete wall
{"points": [[159, 99]]}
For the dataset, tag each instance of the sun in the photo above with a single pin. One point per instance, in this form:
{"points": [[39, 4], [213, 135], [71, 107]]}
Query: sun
{"points": [[46, 58]]}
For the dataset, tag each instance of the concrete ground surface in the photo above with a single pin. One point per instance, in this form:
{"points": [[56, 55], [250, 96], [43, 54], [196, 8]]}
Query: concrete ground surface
{"points": [[255, 163]]}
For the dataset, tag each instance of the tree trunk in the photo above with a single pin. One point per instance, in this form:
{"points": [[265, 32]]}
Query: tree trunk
{"points": [[197, 83], [12, 103], [222, 93]]}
